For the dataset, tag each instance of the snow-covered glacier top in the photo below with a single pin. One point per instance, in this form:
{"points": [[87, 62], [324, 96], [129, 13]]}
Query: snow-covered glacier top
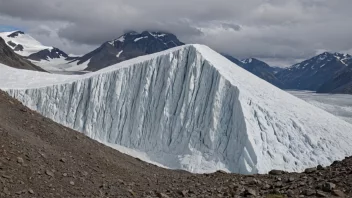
{"points": [[29, 44], [188, 108]]}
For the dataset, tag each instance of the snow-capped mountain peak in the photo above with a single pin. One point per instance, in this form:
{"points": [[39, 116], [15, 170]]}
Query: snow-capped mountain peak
{"points": [[312, 73], [127, 46], [23, 44]]}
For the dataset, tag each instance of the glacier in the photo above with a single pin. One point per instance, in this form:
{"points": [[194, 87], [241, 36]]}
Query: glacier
{"points": [[187, 108]]}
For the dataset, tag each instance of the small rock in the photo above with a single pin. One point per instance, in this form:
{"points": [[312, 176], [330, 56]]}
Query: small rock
{"points": [[291, 179], [278, 184], [72, 183], [290, 193], [183, 193], [132, 193], [338, 193], [308, 192], [162, 195], [20, 160], [320, 194], [250, 191], [275, 172], [320, 167], [310, 170], [19, 192], [266, 186], [328, 186], [31, 191], [65, 174], [51, 174], [6, 176], [63, 160]]}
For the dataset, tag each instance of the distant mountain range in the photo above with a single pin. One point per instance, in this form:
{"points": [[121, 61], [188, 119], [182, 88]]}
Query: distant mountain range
{"points": [[128, 46], [311, 74], [324, 73], [258, 68], [125, 47]]}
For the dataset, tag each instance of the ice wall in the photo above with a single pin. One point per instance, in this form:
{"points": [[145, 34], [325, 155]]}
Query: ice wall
{"points": [[176, 108], [189, 108]]}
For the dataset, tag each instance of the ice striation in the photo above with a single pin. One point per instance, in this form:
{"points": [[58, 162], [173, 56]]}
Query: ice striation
{"points": [[188, 108]]}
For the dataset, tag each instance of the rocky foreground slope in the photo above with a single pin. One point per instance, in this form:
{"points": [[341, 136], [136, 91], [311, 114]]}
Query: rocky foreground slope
{"points": [[40, 158]]}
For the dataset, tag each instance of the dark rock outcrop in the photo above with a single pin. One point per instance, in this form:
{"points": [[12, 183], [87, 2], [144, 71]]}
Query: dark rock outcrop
{"points": [[340, 83], [48, 54], [15, 34], [313, 73]]}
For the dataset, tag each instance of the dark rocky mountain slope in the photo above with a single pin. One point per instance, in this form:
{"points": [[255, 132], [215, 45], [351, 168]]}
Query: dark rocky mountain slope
{"points": [[313, 73], [258, 68], [48, 54], [128, 46], [340, 83], [10, 58]]}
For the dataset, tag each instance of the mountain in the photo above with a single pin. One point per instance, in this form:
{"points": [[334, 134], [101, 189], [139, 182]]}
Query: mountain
{"points": [[313, 73], [258, 68], [340, 83], [10, 58], [26, 46], [277, 69], [188, 108], [126, 47], [50, 59]]}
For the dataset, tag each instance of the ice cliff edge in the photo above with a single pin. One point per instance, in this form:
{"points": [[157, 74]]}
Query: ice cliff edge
{"points": [[190, 108]]}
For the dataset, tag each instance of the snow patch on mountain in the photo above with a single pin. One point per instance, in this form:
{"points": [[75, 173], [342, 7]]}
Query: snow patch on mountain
{"points": [[188, 108], [140, 38], [119, 54], [30, 45], [61, 65]]}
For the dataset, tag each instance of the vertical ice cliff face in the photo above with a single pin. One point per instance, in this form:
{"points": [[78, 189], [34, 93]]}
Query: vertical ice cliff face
{"points": [[190, 108], [176, 108]]}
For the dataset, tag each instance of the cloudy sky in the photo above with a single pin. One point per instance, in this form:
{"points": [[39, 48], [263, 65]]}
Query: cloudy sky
{"points": [[280, 32]]}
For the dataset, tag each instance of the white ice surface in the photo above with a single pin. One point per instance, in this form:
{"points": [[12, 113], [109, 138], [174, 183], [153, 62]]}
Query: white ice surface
{"points": [[29, 44], [188, 108], [60, 65], [339, 105]]}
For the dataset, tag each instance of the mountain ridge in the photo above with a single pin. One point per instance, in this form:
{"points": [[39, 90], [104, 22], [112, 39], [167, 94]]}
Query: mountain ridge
{"points": [[258, 68], [10, 58], [314, 72], [127, 46]]}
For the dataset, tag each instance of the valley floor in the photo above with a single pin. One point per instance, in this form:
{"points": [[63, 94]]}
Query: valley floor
{"points": [[339, 105], [40, 158]]}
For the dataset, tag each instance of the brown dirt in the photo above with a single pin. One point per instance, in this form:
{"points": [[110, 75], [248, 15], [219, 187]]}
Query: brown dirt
{"points": [[40, 158]]}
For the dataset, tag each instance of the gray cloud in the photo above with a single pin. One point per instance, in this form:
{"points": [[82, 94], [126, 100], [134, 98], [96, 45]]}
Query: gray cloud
{"points": [[278, 30]]}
